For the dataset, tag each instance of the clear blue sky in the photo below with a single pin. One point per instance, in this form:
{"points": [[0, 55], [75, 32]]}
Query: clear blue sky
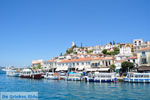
{"points": [[41, 29]]}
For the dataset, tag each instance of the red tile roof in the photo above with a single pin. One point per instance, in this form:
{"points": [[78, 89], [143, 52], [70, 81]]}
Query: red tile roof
{"points": [[76, 60], [51, 60], [134, 57], [144, 49]]}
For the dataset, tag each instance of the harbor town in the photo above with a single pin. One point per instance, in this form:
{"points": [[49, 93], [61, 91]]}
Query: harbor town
{"points": [[113, 62], [74, 49]]}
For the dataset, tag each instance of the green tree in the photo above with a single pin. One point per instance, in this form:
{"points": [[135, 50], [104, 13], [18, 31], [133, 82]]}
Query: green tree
{"points": [[75, 52], [109, 53], [89, 51], [114, 43], [39, 66], [81, 45], [116, 51], [110, 43], [126, 66], [61, 54], [104, 51], [112, 67]]}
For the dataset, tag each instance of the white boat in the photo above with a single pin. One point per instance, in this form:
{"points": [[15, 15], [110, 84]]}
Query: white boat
{"points": [[74, 76], [8, 68], [101, 77], [137, 77], [13, 73], [29, 73], [52, 76]]}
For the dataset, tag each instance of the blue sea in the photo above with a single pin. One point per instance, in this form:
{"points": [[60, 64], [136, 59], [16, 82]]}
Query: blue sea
{"points": [[68, 90]]}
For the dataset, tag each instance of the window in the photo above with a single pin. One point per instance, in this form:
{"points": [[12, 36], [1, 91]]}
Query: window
{"points": [[82, 63], [88, 63], [135, 42], [144, 61], [143, 55], [96, 64], [139, 42], [133, 60]]}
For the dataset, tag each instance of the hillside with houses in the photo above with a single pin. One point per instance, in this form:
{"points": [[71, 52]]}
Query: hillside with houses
{"points": [[105, 58]]}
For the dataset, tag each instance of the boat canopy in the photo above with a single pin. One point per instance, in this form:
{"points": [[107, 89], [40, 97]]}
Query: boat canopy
{"points": [[62, 68], [26, 70], [103, 69], [91, 69], [80, 67], [97, 69], [74, 73]]}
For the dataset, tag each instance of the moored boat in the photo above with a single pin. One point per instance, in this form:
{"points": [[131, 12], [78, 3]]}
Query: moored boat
{"points": [[13, 73], [73, 76], [101, 77], [62, 75], [29, 73], [137, 77], [52, 76]]}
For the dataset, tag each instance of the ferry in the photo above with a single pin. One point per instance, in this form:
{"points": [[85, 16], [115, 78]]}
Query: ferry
{"points": [[52, 76], [101, 77], [13, 73], [29, 73], [73, 76], [137, 77]]}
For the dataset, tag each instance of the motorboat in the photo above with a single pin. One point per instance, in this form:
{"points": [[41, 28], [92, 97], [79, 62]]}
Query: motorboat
{"points": [[13, 73], [137, 77], [52, 76], [73, 76], [29, 73], [101, 77]]}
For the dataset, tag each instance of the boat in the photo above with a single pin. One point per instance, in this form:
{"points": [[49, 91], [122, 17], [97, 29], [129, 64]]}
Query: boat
{"points": [[52, 76], [73, 76], [29, 73], [101, 77], [62, 75], [13, 73], [8, 68], [137, 77]]}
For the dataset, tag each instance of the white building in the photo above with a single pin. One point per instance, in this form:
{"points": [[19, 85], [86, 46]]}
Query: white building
{"points": [[97, 51], [144, 56], [125, 51]]}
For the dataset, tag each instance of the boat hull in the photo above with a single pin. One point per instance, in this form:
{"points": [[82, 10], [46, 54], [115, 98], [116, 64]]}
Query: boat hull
{"points": [[37, 76], [73, 79], [13, 75], [100, 80]]}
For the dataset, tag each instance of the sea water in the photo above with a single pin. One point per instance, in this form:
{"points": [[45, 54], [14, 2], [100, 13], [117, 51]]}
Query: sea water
{"points": [[71, 90]]}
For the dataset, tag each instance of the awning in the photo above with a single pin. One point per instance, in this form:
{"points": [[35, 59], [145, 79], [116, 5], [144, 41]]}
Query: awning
{"points": [[61, 68], [91, 69], [65, 68], [80, 67], [144, 68], [58, 69], [103, 69]]}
